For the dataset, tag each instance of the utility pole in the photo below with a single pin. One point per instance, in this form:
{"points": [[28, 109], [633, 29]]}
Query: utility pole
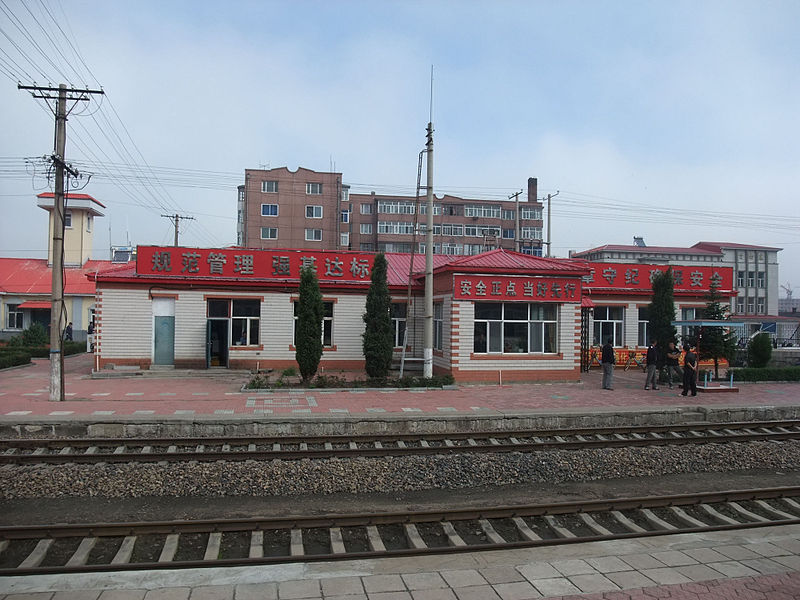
{"points": [[427, 332], [176, 219], [516, 220], [57, 307], [549, 241]]}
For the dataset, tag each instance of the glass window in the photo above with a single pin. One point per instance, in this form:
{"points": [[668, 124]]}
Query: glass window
{"points": [[399, 323], [530, 233], [269, 233], [751, 305], [438, 325], [739, 278], [314, 188], [608, 324], [739, 305], [14, 316], [761, 278], [366, 209], [68, 218], [530, 212], [313, 212], [508, 234], [760, 306], [89, 223], [344, 239], [269, 187], [751, 279], [515, 327], [365, 228], [366, 246], [327, 324], [218, 308], [269, 210], [509, 215], [313, 235], [244, 322], [345, 216], [644, 318]]}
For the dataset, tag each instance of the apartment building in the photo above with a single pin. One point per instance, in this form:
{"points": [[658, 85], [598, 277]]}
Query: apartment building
{"points": [[278, 208]]}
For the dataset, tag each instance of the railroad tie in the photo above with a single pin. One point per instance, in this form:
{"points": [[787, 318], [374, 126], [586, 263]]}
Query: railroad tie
{"points": [[401, 444], [766, 507], [449, 443], [35, 558], [337, 543], [684, 517], [296, 544], [655, 520], [747, 513], [3, 546], [170, 548], [626, 522], [524, 530], [81, 555], [147, 450], [375, 542], [791, 503], [200, 449], [452, 535], [66, 450], [561, 532], [413, 537], [256, 544], [39, 451], [123, 555], [593, 525], [10, 451], [490, 532], [212, 548], [251, 447], [710, 510], [119, 450]]}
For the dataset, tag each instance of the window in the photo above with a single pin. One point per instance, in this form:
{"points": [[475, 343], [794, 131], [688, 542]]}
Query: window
{"points": [[508, 215], [244, 322], [530, 233], [314, 189], [740, 305], [437, 209], [751, 279], [313, 235], [740, 279], [399, 323], [365, 228], [451, 210], [68, 218], [608, 324], [490, 232], [450, 249], [366, 209], [515, 327], [396, 227], [395, 207], [438, 322], [269, 210], [313, 211], [751, 305], [644, 317], [269, 187], [402, 247], [472, 249], [760, 278], [530, 212], [327, 325], [508, 234], [344, 239], [14, 318], [366, 247], [482, 210], [345, 216], [451, 230], [760, 306], [89, 223], [269, 233]]}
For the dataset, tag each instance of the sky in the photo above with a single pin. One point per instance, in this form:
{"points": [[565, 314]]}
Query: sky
{"points": [[675, 121]]}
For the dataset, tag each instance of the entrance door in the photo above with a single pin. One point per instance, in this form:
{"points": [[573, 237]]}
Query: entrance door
{"points": [[217, 343], [163, 331]]}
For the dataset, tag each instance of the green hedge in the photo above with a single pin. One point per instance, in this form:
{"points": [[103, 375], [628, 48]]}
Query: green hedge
{"points": [[12, 359], [765, 374], [44, 351]]}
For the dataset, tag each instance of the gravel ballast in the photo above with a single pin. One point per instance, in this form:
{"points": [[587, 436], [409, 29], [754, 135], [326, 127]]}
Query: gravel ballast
{"points": [[390, 474]]}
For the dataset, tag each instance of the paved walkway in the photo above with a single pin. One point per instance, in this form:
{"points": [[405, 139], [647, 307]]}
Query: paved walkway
{"points": [[24, 392], [757, 564]]}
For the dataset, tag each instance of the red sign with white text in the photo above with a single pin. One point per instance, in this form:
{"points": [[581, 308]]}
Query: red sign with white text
{"points": [[250, 263], [500, 287], [636, 276]]}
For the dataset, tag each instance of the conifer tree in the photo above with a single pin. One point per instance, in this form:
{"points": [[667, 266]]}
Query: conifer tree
{"points": [[662, 311], [308, 333], [716, 342], [377, 337]]}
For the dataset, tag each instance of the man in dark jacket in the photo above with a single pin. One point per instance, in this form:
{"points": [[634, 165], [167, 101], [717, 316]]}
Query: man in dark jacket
{"points": [[690, 371], [652, 369], [608, 360], [673, 354]]}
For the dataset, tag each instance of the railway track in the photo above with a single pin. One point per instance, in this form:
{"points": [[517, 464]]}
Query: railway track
{"points": [[29, 550], [122, 450]]}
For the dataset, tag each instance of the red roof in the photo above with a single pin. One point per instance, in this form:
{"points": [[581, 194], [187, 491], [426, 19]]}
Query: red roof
{"points": [[73, 197], [32, 277], [35, 304], [508, 261], [718, 246], [648, 249], [398, 266]]}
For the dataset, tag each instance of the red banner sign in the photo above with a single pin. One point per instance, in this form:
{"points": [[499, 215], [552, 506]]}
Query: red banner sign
{"points": [[249, 263], [627, 276], [504, 288]]}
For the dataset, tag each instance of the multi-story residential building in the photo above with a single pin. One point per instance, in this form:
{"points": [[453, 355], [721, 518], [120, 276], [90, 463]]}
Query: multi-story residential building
{"points": [[279, 208]]}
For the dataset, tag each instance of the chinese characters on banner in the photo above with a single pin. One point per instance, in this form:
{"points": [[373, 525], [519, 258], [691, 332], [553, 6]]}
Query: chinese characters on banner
{"points": [[638, 276], [498, 287], [252, 263]]}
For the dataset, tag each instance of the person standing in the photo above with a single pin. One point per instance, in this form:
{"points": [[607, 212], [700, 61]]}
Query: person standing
{"points": [[68, 332], [690, 371], [673, 354], [651, 361], [608, 360]]}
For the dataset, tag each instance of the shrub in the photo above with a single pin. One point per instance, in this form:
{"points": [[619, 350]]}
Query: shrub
{"points": [[308, 330], [12, 359], [759, 351], [35, 335], [765, 374], [377, 339]]}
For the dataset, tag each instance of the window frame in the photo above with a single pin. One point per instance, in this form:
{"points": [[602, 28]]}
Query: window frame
{"points": [[365, 228], [269, 230], [312, 208], [399, 322], [16, 311], [313, 188], [264, 206], [614, 328], [313, 233], [327, 323], [265, 185], [438, 325], [536, 332]]}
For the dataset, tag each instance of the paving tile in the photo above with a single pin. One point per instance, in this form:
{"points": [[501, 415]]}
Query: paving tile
{"points": [[77, 595], [642, 561], [437, 594], [792, 561], [608, 564], [122, 595], [257, 591], [736, 552], [792, 546], [174, 593], [308, 588], [698, 572], [593, 583], [765, 566], [383, 583], [342, 586], [390, 596], [705, 555], [212, 592], [462, 578], [732, 568], [627, 580], [538, 570], [767, 549], [674, 558], [478, 592], [665, 576], [501, 574], [30, 596], [423, 581], [517, 590], [556, 586], [573, 567], [348, 597]]}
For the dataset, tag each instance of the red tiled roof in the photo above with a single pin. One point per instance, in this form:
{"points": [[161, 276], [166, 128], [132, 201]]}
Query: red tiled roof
{"points": [[72, 196], [508, 261], [648, 249], [32, 276], [35, 304], [718, 246], [398, 266]]}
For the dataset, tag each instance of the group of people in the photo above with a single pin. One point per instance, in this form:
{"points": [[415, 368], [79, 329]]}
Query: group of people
{"points": [[653, 361]]}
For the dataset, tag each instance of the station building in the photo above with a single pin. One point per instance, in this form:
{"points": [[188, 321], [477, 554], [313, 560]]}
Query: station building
{"points": [[498, 316]]}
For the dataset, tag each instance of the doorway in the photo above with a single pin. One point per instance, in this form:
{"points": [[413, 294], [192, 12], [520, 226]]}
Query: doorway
{"points": [[217, 343], [163, 331]]}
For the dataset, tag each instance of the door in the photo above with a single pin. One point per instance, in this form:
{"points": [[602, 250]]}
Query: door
{"points": [[163, 331], [217, 343]]}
